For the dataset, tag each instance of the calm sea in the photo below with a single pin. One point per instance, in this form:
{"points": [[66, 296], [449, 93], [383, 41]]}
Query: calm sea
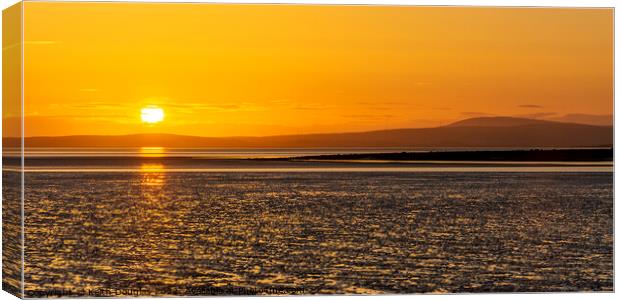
{"points": [[234, 152], [158, 159]]}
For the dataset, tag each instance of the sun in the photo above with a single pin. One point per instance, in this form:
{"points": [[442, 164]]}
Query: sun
{"points": [[151, 114]]}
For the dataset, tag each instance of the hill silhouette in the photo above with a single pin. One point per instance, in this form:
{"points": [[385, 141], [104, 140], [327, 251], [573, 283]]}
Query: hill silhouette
{"points": [[476, 132], [498, 122], [535, 155]]}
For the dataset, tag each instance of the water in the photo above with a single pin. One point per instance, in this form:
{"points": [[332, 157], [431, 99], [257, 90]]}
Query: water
{"points": [[219, 153], [188, 233], [158, 159]]}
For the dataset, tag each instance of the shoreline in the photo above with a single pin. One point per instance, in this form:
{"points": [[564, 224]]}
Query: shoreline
{"points": [[162, 165], [475, 156], [562, 160]]}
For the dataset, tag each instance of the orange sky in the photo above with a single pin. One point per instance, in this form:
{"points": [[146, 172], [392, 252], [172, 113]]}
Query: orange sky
{"points": [[222, 70]]}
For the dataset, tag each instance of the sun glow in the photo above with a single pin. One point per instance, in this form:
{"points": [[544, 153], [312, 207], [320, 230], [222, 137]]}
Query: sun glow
{"points": [[151, 114]]}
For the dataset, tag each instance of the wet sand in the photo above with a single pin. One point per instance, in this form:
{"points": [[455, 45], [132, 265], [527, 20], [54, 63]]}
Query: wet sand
{"points": [[350, 232], [189, 164]]}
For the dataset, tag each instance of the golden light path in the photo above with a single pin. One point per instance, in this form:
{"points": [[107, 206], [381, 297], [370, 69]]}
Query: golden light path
{"points": [[152, 151]]}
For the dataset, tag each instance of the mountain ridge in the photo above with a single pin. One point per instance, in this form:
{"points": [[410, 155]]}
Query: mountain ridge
{"points": [[474, 132], [502, 122]]}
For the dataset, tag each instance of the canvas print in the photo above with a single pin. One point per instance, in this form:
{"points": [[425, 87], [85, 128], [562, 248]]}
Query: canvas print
{"points": [[193, 149]]}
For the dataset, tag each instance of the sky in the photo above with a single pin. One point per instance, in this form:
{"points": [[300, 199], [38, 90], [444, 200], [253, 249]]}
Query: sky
{"points": [[257, 70]]}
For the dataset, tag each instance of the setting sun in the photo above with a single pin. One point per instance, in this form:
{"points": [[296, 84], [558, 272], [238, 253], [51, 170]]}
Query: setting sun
{"points": [[235, 77], [151, 114]]}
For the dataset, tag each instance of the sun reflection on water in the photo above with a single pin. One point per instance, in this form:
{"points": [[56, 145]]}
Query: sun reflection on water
{"points": [[152, 168], [152, 151], [153, 174], [440, 232]]}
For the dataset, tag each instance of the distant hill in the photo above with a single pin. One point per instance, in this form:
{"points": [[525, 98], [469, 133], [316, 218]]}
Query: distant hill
{"points": [[602, 120], [498, 122], [477, 132]]}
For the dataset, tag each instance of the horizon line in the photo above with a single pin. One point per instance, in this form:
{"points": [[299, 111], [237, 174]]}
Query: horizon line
{"points": [[311, 133]]}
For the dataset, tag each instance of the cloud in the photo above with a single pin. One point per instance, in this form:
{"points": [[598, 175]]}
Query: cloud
{"points": [[530, 106], [537, 115], [368, 116], [205, 106], [381, 103], [475, 114], [471, 114], [601, 120], [98, 105], [307, 107]]}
